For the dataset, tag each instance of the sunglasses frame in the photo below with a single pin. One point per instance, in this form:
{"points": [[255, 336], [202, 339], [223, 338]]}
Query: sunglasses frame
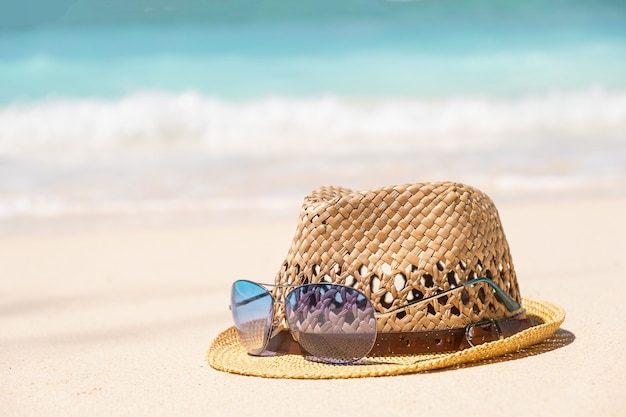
{"points": [[511, 305]]}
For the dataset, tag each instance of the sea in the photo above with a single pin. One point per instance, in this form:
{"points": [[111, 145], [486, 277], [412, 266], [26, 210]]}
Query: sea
{"points": [[235, 110]]}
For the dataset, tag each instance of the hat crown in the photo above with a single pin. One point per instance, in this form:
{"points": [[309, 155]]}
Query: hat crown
{"points": [[403, 243]]}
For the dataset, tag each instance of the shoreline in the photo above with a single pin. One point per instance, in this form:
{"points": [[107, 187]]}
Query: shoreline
{"points": [[287, 209]]}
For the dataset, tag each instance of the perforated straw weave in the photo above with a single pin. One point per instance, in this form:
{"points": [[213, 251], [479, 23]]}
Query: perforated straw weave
{"points": [[403, 243]]}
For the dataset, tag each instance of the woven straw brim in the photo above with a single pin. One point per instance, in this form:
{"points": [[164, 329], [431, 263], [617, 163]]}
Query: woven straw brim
{"points": [[227, 354]]}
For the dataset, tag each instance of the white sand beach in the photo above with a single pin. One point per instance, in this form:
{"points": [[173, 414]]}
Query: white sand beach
{"points": [[117, 322]]}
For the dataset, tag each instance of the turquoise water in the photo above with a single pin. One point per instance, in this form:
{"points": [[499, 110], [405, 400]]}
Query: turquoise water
{"points": [[241, 50], [167, 105]]}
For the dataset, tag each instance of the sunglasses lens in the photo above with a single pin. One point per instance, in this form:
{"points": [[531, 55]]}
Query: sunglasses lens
{"points": [[333, 323], [252, 308]]}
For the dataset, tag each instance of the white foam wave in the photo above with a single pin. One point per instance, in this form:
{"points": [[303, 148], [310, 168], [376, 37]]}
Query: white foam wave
{"points": [[162, 122], [50, 207]]}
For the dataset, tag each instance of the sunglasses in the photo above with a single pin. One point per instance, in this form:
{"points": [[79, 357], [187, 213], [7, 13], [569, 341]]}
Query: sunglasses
{"points": [[331, 322]]}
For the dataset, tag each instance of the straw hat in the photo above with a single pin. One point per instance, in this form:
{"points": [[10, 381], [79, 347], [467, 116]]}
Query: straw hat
{"points": [[397, 245]]}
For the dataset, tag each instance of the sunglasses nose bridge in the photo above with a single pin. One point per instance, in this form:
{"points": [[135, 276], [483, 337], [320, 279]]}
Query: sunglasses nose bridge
{"points": [[280, 319]]}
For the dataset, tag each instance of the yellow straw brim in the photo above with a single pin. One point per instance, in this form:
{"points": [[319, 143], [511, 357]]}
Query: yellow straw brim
{"points": [[227, 354]]}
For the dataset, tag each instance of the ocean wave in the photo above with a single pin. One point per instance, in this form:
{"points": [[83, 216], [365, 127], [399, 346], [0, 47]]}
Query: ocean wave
{"points": [[157, 122]]}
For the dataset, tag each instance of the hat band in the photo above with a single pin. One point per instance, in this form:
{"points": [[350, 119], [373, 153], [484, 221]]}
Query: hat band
{"points": [[430, 341]]}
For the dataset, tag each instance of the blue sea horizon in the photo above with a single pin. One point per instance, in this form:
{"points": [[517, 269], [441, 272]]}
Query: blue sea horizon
{"points": [[406, 49]]}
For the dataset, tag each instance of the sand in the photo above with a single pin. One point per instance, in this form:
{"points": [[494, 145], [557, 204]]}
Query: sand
{"points": [[117, 322]]}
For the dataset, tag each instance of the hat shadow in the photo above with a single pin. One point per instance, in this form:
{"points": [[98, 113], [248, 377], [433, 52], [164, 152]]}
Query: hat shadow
{"points": [[560, 338]]}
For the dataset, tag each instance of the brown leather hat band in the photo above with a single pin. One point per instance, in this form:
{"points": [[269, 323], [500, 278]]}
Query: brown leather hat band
{"points": [[431, 341]]}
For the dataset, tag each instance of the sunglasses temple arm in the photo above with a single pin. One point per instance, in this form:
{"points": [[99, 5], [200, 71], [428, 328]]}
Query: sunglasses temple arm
{"points": [[506, 299], [249, 300], [259, 296]]}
